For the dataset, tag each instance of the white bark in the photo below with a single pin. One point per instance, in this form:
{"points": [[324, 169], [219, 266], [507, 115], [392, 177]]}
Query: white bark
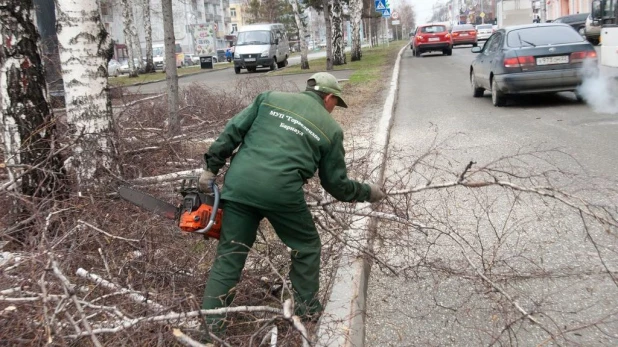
{"points": [[148, 35], [302, 29], [85, 49], [356, 9], [127, 15], [329, 35], [137, 50], [337, 33], [24, 110]]}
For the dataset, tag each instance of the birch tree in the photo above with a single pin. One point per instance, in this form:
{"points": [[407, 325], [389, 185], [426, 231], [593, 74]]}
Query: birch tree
{"points": [[337, 33], [329, 38], [128, 35], [356, 10], [302, 29], [31, 150], [148, 36], [137, 49], [85, 49], [171, 74]]}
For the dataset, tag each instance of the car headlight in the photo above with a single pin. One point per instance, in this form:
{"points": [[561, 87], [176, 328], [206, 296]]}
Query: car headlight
{"points": [[264, 54], [236, 55]]}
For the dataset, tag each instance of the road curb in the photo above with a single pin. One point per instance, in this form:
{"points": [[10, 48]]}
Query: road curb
{"points": [[343, 322]]}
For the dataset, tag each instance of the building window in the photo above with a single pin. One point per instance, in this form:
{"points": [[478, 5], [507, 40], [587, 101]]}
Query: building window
{"points": [[232, 12], [234, 27]]}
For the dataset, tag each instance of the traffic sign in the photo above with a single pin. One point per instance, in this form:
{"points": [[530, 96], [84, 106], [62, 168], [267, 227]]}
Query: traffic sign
{"points": [[380, 5], [395, 15], [482, 15], [386, 13], [395, 22]]}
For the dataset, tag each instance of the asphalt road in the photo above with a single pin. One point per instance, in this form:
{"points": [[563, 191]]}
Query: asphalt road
{"points": [[535, 251]]}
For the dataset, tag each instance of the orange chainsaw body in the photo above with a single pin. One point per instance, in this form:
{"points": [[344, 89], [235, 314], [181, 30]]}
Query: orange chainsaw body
{"points": [[191, 221]]}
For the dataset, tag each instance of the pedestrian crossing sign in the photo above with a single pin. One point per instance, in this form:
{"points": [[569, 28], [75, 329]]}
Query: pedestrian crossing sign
{"points": [[386, 13], [380, 5]]}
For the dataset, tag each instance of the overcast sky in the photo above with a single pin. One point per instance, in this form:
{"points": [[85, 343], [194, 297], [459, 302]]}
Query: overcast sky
{"points": [[423, 8]]}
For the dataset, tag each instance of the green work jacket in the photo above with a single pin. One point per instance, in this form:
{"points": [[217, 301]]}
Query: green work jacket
{"points": [[284, 139]]}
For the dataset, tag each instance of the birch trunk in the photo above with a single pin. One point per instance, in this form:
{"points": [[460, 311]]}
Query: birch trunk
{"points": [[137, 49], [300, 23], [148, 35], [171, 74], [85, 49], [28, 123], [337, 33], [356, 9], [128, 37], [329, 38]]}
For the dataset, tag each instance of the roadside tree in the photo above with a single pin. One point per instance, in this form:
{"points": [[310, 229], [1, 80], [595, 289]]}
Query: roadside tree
{"points": [[85, 49]]}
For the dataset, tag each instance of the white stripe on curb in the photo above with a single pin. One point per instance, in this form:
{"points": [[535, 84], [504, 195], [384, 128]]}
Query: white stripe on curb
{"points": [[343, 321]]}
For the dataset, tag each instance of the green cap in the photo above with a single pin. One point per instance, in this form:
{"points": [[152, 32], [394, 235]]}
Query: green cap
{"points": [[326, 83]]}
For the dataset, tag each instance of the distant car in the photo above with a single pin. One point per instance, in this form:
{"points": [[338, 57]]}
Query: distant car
{"points": [[592, 31], [528, 59], [124, 66], [431, 38], [576, 21], [464, 34], [484, 31], [113, 67], [189, 59]]}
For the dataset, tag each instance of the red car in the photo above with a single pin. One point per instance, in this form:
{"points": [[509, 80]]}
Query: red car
{"points": [[431, 37], [464, 35]]}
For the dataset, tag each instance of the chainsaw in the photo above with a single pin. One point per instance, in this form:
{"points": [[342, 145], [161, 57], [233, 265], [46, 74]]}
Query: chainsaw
{"points": [[198, 213]]}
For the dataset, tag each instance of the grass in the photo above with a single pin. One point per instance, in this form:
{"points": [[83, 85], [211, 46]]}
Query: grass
{"points": [[368, 69], [125, 80]]}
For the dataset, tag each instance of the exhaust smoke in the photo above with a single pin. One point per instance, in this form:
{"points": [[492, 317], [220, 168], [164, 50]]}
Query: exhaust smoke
{"points": [[600, 87]]}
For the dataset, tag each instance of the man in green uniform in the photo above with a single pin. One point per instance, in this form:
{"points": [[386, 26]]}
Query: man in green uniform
{"points": [[284, 139]]}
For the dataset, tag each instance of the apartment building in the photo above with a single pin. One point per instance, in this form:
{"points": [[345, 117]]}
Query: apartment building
{"points": [[558, 8], [187, 13]]}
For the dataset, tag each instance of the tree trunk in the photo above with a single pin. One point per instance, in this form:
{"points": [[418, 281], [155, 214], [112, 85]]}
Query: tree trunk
{"points": [[31, 150], [171, 74], [128, 38], [148, 33], [329, 38], [301, 25], [356, 9], [85, 49], [337, 33], [137, 49]]}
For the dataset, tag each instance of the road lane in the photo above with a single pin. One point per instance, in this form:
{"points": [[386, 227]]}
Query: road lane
{"points": [[536, 258]]}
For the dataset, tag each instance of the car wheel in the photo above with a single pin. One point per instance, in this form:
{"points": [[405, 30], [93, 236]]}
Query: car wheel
{"points": [[237, 70], [215, 60], [497, 98], [582, 31], [273, 65], [449, 51], [477, 91], [417, 53], [475, 45]]}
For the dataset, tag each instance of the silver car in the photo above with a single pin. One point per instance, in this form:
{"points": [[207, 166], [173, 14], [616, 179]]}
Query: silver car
{"points": [[484, 31], [113, 68]]}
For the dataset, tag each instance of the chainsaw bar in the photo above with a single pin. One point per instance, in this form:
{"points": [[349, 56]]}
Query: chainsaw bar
{"points": [[148, 202]]}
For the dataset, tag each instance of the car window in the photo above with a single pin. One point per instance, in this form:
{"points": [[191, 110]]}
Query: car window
{"points": [[493, 44], [433, 29], [540, 36], [463, 27], [483, 26]]}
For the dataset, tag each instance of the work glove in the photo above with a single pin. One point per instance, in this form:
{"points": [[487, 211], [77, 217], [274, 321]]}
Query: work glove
{"points": [[206, 180], [376, 193]]}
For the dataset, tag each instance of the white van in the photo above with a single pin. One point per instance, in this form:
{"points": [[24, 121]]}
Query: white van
{"points": [[261, 45]]}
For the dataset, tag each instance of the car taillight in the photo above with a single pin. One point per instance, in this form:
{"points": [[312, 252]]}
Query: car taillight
{"points": [[578, 57], [472, 32], [455, 34], [522, 62], [448, 36], [419, 38]]}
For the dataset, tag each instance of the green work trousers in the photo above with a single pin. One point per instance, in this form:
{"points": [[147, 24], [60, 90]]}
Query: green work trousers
{"points": [[238, 232]]}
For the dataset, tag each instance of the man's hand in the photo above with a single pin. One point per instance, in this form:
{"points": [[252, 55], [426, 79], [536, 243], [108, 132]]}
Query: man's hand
{"points": [[204, 184], [376, 194]]}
